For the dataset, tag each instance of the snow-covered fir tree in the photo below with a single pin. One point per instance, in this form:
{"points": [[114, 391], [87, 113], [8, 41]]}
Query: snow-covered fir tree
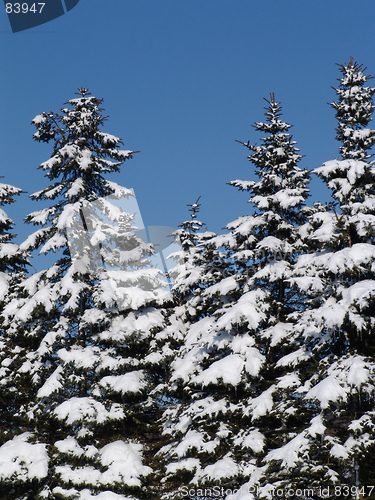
{"points": [[183, 273], [221, 430], [199, 265], [13, 264], [354, 109], [334, 444], [91, 317]]}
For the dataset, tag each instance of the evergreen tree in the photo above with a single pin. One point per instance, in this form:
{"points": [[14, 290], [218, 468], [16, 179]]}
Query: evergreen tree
{"points": [[224, 367], [182, 275], [91, 320], [199, 265], [13, 264], [354, 109], [333, 337], [16, 455]]}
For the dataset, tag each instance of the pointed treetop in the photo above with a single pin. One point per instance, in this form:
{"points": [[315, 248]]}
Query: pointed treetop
{"points": [[274, 124], [85, 98], [81, 149], [192, 225], [272, 105], [283, 185], [83, 92], [353, 71], [354, 111], [194, 208]]}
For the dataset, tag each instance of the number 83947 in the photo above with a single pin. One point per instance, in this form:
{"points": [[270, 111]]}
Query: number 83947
{"points": [[24, 8]]}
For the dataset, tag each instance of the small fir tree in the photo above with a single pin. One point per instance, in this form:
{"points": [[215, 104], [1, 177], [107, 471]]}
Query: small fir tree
{"points": [[13, 265], [199, 265], [354, 110]]}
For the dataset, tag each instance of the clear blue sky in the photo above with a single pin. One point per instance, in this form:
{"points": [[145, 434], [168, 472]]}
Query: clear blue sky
{"points": [[181, 80]]}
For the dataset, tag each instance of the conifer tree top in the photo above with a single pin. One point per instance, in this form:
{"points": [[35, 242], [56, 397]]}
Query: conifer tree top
{"points": [[273, 112], [353, 112], [191, 226], [81, 150], [82, 156], [283, 185]]}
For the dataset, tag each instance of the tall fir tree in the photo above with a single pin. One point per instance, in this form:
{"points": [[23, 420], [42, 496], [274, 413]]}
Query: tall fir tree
{"points": [[265, 247], [221, 430], [91, 317], [333, 337]]}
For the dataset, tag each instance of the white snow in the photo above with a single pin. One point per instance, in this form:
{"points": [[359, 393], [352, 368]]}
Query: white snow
{"points": [[52, 384], [339, 451], [124, 462], [317, 426], [86, 494], [262, 404], [87, 409], [194, 439], [288, 380], [119, 191], [362, 422], [23, 461], [108, 139], [278, 332], [273, 244], [354, 169], [358, 372], [254, 440], [329, 389], [351, 258], [32, 239], [76, 187], [224, 468], [291, 453], [79, 475], [247, 308], [360, 293], [293, 358], [8, 250], [229, 369], [81, 357], [125, 153], [4, 285], [129, 382], [56, 242], [70, 446], [43, 297], [39, 119], [223, 287], [185, 463]]}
